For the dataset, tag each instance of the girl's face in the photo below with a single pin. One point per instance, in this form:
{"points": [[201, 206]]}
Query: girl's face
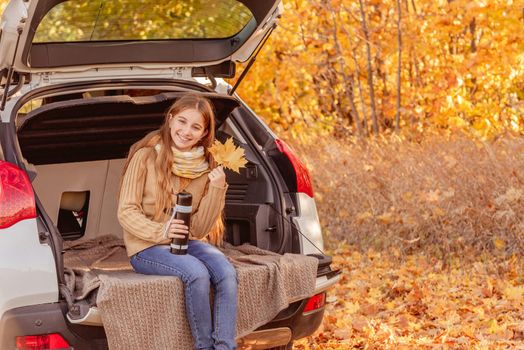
{"points": [[187, 129]]}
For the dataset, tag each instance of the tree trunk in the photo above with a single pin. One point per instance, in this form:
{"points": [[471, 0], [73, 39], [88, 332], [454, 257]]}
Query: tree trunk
{"points": [[302, 31], [365, 125], [414, 6], [361, 93], [473, 49], [383, 99], [399, 37], [472, 27], [370, 70], [350, 91]]}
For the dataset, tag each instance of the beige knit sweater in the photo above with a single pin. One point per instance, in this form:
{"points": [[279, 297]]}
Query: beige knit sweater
{"points": [[136, 206]]}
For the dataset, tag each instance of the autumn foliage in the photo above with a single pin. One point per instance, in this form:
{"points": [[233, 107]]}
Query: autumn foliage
{"points": [[461, 67], [426, 224]]}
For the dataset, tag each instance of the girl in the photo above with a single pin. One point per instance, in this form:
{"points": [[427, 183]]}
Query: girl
{"points": [[163, 163]]}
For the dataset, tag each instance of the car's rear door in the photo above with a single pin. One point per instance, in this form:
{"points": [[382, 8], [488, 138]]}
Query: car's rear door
{"points": [[74, 35]]}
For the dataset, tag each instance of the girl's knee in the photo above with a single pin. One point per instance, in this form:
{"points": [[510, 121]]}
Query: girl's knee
{"points": [[228, 275], [198, 276]]}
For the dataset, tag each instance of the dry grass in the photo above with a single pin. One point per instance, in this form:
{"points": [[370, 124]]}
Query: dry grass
{"points": [[444, 195]]}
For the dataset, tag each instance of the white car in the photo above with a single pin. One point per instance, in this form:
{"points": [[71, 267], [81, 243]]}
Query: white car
{"points": [[81, 82]]}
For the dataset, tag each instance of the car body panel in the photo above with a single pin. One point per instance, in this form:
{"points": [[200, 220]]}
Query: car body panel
{"points": [[308, 222], [34, 260]]}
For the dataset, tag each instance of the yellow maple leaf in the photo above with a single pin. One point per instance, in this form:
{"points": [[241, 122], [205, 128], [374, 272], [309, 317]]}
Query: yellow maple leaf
{"points": [[351, 307], [228, 155], [514, 293]]}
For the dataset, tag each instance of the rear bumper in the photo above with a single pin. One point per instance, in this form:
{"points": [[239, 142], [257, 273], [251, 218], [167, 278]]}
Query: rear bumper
{"points": [[299, 323], [50, 318], [45, 319], [291, 323]]}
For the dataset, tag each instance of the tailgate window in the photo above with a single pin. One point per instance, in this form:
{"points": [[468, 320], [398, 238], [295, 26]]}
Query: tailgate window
{"points": [[115, 20]]}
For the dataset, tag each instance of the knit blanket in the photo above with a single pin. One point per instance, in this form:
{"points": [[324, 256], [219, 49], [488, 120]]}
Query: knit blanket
{"points": [[148, 312]]}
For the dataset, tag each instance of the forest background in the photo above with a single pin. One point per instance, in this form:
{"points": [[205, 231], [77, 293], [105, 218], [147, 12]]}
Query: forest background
{"points": [[409, 116]]}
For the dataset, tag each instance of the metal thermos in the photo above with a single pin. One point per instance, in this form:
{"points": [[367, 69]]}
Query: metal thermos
{"points": [[182, 212]]}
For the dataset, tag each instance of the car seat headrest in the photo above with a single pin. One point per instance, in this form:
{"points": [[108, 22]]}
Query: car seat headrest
{"points": [[73, 201]]}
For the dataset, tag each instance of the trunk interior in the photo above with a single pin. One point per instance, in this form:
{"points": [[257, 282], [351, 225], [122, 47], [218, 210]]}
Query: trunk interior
{"points": [[76, 146]]}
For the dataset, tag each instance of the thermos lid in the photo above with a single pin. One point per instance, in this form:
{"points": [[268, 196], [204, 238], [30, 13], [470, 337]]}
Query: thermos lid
{"points": [[184, 198]]}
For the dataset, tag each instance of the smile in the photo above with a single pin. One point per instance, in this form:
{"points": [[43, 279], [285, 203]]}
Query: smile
{"points": [[183, 139]]}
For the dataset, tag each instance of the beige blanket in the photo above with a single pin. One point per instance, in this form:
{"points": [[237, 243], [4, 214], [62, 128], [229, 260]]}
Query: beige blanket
{"points": [[148, 312]]}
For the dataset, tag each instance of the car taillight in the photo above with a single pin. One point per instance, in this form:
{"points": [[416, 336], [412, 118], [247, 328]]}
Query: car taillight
{"points": [[17, 201], [42, 342], [315, 302], [302, 174]]}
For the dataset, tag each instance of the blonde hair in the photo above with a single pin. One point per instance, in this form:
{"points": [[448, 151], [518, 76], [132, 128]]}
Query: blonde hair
{"points": [[164, 158]]}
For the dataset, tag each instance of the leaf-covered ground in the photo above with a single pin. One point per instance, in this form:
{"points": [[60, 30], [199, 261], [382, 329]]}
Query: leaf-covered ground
{"points": [[389, 301]]}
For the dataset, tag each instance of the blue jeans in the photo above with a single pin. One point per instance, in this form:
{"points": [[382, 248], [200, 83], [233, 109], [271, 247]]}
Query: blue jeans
{"points": [[202, 265]]}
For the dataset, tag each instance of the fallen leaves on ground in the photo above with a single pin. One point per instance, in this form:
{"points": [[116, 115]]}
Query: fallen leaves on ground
{"points": [[386, 302]]}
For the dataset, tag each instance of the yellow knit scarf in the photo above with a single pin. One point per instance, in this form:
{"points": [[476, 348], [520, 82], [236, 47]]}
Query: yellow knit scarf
{"points": [[190, 164]]}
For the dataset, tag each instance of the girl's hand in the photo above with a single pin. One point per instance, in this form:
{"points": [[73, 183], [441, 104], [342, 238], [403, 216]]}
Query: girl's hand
{"points": [[217, 177], [177, 229]]}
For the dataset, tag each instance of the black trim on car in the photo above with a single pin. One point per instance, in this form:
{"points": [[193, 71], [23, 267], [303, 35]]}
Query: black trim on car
{"points": [[284, 245], [54, 55], [225, 69], [324, 264]]}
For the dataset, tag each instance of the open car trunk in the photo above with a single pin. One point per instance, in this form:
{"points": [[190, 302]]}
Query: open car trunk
{"points": [[78, 146]]}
